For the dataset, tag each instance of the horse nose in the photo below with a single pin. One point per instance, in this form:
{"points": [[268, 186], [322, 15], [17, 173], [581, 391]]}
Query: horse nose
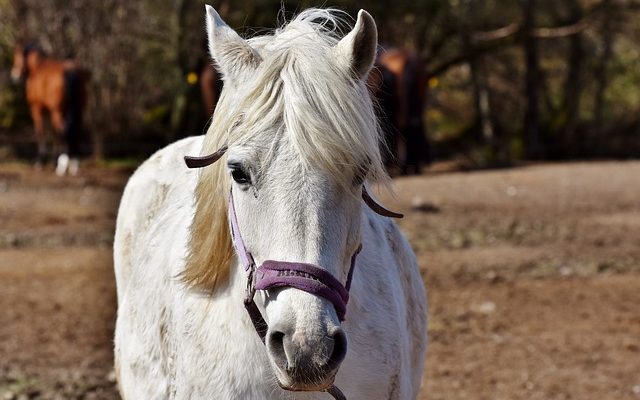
{"points": [[306, 358], [339, 348]]}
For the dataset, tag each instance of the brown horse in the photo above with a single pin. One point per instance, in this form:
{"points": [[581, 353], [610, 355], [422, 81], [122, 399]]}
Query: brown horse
{"points": [[58, 88], [399, 85]]}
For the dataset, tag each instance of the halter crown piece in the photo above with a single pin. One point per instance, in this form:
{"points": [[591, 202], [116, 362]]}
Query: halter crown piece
{"points": [[277, 274]]}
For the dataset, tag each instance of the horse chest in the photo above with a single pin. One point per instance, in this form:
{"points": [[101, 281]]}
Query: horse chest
{"points": [[218, 355], [46, 89]]}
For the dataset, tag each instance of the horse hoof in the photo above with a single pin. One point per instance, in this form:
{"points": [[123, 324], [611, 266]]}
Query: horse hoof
{"points": [[74, 167], [62, 165]]}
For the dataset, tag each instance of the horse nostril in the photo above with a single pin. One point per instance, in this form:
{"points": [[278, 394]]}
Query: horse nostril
{"points": [[275, 342], [339, 349]]}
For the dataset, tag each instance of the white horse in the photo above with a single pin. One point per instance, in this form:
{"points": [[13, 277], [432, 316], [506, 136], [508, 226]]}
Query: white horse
{"points": [[302, 141]]}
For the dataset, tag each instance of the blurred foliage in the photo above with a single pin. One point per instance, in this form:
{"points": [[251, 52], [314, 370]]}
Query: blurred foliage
{"points": [[140, 54]]}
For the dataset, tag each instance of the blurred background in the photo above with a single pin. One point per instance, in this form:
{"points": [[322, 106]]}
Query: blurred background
{"points": [[505, 80], [518, 121]]}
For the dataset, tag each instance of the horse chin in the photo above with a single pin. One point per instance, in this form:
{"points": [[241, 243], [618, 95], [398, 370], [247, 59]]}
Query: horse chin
{"points": [[315, 384], [295, 387]]}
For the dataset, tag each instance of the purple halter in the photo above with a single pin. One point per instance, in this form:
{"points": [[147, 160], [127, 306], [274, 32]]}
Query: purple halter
{"points": [[276, 274]]}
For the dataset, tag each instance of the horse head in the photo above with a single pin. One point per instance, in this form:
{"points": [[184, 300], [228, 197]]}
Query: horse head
{"points": [[301, 141], [25, 58], [19, 67]]}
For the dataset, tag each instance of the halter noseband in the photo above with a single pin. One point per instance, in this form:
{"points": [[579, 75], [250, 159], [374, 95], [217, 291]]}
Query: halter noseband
{"points": [[278, 274]]}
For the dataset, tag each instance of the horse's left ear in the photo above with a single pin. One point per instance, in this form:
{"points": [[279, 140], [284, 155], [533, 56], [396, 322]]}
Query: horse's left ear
{"points": [[358, 48]]}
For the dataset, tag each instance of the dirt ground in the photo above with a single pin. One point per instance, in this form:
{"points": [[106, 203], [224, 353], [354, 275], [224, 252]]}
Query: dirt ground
{"points": [[533, 276]]}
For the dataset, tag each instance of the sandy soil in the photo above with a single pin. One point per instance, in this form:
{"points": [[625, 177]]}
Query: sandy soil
{"points": [[533, 276]]}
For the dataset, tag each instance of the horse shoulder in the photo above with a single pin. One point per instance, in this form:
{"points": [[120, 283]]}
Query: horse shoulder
{"points": [[405, 269], [416, 301], [144, 197], [149, 219]]}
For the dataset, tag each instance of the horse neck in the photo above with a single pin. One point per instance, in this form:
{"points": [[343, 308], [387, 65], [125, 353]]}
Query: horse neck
{"points": [[35, 65]]}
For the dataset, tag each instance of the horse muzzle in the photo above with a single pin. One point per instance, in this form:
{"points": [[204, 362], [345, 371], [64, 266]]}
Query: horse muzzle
{"points": [[306, 360]]}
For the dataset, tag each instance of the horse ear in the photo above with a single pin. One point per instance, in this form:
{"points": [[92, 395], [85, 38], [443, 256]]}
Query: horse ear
{"points": [[358, 48], [232, 54]]}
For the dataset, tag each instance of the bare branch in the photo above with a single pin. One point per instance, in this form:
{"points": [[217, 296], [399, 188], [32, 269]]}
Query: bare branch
{"points": [[487, 47], [500, 33], [562, 31], [492, 40]]}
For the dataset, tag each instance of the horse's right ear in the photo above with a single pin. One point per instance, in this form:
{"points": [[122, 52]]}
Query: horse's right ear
{"points": [[232, 54], [357, 50]]}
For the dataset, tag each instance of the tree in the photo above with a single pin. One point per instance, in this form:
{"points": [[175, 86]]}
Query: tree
{"points": [[532, 79]]}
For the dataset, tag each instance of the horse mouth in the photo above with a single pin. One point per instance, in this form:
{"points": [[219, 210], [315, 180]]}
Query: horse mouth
{"points": [[307, 382], [299, 387]]}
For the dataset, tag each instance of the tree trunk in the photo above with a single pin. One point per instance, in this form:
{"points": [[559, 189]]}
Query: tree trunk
{"points": [[532, 76], [573, 83], [180, 106], [483, 124], [601, 73], [97, 127]]}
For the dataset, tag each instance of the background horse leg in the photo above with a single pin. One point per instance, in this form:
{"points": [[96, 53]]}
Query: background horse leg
{"points": [[57, 120], [72, 117], [415, 149], [41, 140]]}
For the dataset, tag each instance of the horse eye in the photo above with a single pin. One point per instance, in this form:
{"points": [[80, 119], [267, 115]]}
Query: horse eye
{"points": [[240, 176]]}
